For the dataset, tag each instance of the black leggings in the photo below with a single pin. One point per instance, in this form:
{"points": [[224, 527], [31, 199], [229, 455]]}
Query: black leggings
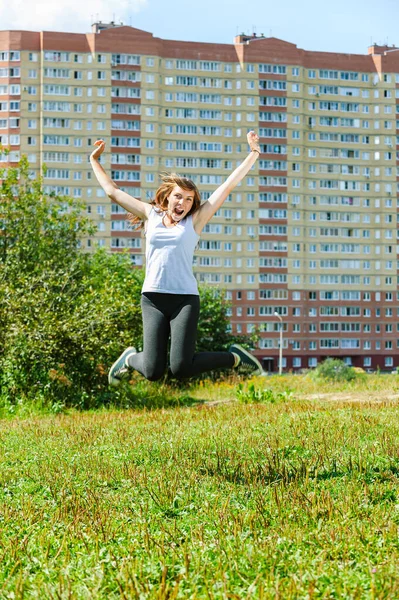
{"points": [[175, 316]]}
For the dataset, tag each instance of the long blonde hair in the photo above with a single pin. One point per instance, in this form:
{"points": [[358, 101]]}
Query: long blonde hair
{"points": [[160, 202]]}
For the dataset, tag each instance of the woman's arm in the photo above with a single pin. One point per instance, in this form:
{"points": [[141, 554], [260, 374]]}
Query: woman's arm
{"points": [[133, 205], [212, 205]]}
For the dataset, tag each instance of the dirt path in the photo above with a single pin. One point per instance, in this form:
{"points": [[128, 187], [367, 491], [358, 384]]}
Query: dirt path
{"points": [[365, 397]]}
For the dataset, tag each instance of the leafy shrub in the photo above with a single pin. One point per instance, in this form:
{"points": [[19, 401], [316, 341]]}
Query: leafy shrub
{"points": [[334, 369], [60, 331]]}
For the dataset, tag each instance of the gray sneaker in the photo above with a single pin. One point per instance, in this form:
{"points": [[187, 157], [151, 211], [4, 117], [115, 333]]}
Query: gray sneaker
{"points": [[120, 366], [248, 363]]}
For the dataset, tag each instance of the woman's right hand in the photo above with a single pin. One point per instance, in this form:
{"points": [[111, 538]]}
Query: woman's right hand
{"points": [[99, 150], [253, 141]]}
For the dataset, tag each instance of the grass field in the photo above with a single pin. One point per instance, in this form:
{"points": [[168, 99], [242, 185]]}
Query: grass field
{"points": [[293, 497]]}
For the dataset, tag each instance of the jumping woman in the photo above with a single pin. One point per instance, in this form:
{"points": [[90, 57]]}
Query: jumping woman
{"points": [[173, 223]]}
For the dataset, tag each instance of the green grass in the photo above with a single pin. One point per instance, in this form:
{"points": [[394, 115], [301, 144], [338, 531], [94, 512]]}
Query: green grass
{"points": [[296, 497]]}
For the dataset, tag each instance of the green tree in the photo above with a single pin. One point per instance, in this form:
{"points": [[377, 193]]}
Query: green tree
{"points": [[64, 314], [213, 325]]}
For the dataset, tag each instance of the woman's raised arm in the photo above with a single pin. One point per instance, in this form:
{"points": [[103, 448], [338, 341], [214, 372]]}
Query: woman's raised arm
{"points": [[215, 201], [133, 205]]}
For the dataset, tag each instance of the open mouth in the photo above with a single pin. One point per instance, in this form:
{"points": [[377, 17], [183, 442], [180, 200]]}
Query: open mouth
{"points": [[179, 212]]}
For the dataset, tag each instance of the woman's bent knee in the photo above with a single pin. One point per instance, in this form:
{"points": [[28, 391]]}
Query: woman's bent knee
{"points": [[154, 374], [181, 370]]}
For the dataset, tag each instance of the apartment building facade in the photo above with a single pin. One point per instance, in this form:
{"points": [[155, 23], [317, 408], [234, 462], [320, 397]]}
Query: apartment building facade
{"points": [[307, 242]]}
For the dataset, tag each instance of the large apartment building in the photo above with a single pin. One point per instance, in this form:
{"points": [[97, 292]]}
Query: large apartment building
{"points": [[307, 242]]}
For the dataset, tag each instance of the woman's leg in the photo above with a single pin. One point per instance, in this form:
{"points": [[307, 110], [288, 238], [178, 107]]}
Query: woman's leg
{"points": [[184, 362], [153, 360]]}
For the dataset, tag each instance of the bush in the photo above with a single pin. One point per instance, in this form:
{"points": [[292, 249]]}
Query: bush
{"points": [[334, 369], [62, 330]]}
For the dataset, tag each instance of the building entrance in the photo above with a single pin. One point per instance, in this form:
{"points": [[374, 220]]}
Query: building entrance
{"points": [[268, 364]]}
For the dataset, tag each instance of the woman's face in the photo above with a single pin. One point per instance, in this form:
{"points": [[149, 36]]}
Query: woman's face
{"points": [[180, 202]]}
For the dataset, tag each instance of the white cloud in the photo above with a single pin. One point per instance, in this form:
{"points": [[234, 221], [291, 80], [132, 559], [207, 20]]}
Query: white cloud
{"points": [[65, 15]]}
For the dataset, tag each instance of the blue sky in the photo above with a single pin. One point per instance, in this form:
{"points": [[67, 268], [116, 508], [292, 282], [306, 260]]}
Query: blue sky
{"points": [[338, 26]]}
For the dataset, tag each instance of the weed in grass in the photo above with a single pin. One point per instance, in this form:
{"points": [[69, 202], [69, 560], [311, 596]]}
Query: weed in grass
{"points": [[252, 394]]}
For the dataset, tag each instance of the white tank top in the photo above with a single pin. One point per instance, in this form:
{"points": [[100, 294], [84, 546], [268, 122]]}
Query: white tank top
{"points": [[169, 256]]}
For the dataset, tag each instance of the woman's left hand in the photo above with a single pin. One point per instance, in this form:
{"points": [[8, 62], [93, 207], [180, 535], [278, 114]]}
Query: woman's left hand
{"points": [[95, 155]]}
